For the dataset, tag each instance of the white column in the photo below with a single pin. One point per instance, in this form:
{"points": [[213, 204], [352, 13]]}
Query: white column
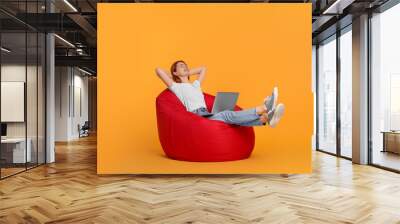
{"points": [[50, 92], [360, 90], [50, 100]]}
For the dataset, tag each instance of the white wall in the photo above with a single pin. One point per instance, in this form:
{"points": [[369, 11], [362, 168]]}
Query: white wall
{"points": [[80, 84], [33, 127], [62, 81], [71, 102], [12, 73]]}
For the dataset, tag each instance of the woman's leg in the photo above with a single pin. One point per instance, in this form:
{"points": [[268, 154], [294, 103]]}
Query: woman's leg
{"points": [[256, 116], [254, 123], [248, 117], [251, 117]]}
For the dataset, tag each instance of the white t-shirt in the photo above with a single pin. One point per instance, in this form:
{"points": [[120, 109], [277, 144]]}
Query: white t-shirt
{"points": [[189, 94]]}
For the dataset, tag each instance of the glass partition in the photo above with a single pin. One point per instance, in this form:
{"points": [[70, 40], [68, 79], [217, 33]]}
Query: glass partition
{"points": [[41, 91], [32, 95], [22, 78], [14, 153]]}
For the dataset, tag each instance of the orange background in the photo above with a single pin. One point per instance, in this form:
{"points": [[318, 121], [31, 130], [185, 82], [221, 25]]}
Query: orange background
{"points": [[247, 48]]}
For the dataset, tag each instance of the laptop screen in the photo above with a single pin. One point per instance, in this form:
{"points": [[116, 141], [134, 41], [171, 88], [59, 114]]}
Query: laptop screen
{"points": [[3, 129]]}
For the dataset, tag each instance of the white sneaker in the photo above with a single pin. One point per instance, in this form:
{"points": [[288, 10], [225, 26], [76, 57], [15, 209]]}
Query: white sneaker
{"points": [[270, 101], [275, 115]]}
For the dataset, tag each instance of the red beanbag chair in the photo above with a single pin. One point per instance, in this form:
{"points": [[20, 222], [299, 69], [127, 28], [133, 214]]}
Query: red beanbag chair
{"points": [[190, 137]]}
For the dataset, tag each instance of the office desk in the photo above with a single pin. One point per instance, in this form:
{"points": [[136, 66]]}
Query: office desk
{"points": [[391, 141], [13, 150]]}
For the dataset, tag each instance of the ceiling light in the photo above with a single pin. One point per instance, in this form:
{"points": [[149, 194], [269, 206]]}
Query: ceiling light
{"points": [[79, 51], [70, 5], [65, 41], [84, 71], [5, 50], [337, 7]]}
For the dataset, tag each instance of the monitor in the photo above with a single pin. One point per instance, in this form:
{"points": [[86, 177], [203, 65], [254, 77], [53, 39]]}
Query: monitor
{"points": [[3, 129]]}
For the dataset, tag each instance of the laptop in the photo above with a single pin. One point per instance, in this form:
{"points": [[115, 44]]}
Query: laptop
{"points": [[3, 131], [224, 101]]}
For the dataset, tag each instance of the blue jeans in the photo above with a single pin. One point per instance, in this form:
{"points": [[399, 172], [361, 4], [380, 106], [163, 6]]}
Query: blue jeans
{"points": [[248, 117]]}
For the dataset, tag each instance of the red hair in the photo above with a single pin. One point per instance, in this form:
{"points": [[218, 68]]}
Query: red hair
{"points": [[173, 69]]}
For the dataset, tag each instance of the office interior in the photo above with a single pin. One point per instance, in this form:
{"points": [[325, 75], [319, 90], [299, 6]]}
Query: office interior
{"points": [[49, 91], [48, 82], [334, 74]]}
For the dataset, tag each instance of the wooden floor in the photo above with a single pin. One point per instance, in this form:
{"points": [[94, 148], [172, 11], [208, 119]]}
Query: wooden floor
{"points": [[387, 159], [69, 191], [5, 172]]}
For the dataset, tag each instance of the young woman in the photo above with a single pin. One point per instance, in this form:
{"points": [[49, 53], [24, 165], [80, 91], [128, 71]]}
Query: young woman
{"points": [[191, 95]]}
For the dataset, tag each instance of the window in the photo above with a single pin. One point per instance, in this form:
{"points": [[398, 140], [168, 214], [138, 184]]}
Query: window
{"points": [[346, 93], [327, 96], [385, 89]]}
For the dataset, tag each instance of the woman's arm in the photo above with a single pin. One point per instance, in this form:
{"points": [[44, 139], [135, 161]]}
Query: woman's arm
{"points": [[200, 71], [164, 76]]}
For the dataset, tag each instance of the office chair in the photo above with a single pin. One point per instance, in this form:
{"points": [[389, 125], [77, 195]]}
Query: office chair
{"points": [[84, 130]]}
